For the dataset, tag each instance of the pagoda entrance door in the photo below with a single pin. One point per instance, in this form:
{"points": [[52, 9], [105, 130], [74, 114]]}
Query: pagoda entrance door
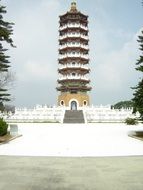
{"points": [[73, 105]]}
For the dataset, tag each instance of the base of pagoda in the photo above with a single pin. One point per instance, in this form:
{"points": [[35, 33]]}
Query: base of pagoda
{"points": [[73, 100]]}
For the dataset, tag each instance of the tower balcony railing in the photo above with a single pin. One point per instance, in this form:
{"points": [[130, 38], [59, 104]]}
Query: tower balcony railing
{"points": [[73, 26], [84, 36], [85, 47], [70, 77], [76, 35], [71, 55], [70, 35], [70, 45], [84, 27], [74, 66]]}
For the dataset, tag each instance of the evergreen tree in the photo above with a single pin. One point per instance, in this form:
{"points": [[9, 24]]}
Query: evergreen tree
{"points": [[138, 94], [5, 37], [123, 104]]}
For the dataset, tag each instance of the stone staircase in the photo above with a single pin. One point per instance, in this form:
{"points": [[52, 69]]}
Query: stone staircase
{"points": [[74, 116]]}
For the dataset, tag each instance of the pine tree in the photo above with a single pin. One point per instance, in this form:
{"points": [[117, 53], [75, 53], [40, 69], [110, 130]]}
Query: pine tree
{"points": [[5, 37], [138, 94]]}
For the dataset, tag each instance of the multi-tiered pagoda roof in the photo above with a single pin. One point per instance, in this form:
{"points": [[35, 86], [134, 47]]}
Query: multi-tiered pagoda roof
{"points": [[73, 52]]}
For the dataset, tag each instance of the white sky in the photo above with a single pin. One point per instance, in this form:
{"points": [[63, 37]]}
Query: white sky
{"points": [[113, 25]]}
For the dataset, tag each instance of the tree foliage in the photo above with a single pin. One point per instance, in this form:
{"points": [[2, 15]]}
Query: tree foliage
{"points": [[5, 38], [138, 90], [123, 104], [3, 127], [131, 121]]}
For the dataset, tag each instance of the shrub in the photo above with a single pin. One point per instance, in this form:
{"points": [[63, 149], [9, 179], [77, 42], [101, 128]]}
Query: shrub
{"points": [[131, 121], [3, 127]]}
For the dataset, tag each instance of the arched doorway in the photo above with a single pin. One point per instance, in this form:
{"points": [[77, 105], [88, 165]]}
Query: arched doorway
{"points": [[73, 105]]}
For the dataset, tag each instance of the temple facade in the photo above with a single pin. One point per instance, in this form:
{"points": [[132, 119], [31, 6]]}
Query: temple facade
{"points": [[73, 81]]}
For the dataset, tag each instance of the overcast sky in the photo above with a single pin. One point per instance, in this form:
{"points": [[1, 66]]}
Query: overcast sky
{"points": [[114, 27]]}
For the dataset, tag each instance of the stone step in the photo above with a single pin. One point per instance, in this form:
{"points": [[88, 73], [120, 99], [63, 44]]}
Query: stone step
{"points": [[74, 116]]}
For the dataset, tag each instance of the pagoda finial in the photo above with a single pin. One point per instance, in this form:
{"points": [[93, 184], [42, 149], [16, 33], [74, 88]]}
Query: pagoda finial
{"points": [[73, 6]]}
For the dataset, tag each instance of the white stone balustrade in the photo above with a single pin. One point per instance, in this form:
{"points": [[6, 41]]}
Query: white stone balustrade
{"points": [[76, 77], [106, 114], [63, 46], [77, 35], [86, 47], [84, 37], [70, 55], [83, 27], [73, 26], [70, 35], [74, 66], [56, 114], [39, 114]]}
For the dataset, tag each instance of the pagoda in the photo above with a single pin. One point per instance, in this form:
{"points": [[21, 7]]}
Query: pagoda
{"points": [[73, 81]]}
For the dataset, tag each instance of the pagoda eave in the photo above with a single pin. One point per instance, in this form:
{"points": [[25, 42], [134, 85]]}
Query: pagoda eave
{"points": [[65, 89], [75, 80], [73, 58], [66, 39], [82, 49], [74, 38], [74, 69], [64, 62], [71, 13], [73, 29]]}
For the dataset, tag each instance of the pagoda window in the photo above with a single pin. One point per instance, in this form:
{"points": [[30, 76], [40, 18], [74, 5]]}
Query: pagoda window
{"points": [[62, 103], [73, 92], [73, 74], [85, 103]]}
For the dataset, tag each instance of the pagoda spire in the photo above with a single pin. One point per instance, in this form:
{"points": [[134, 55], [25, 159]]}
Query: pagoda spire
{"points": [[73, 6]]}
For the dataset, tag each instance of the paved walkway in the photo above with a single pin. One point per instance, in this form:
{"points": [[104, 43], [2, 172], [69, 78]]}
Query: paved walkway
{"points": [[88, 171], [48, 173], [74, 140]]}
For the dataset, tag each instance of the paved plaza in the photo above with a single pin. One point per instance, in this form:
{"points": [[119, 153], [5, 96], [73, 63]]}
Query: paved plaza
{"points": [[51, 173], [78, 140], [72, 157]]}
